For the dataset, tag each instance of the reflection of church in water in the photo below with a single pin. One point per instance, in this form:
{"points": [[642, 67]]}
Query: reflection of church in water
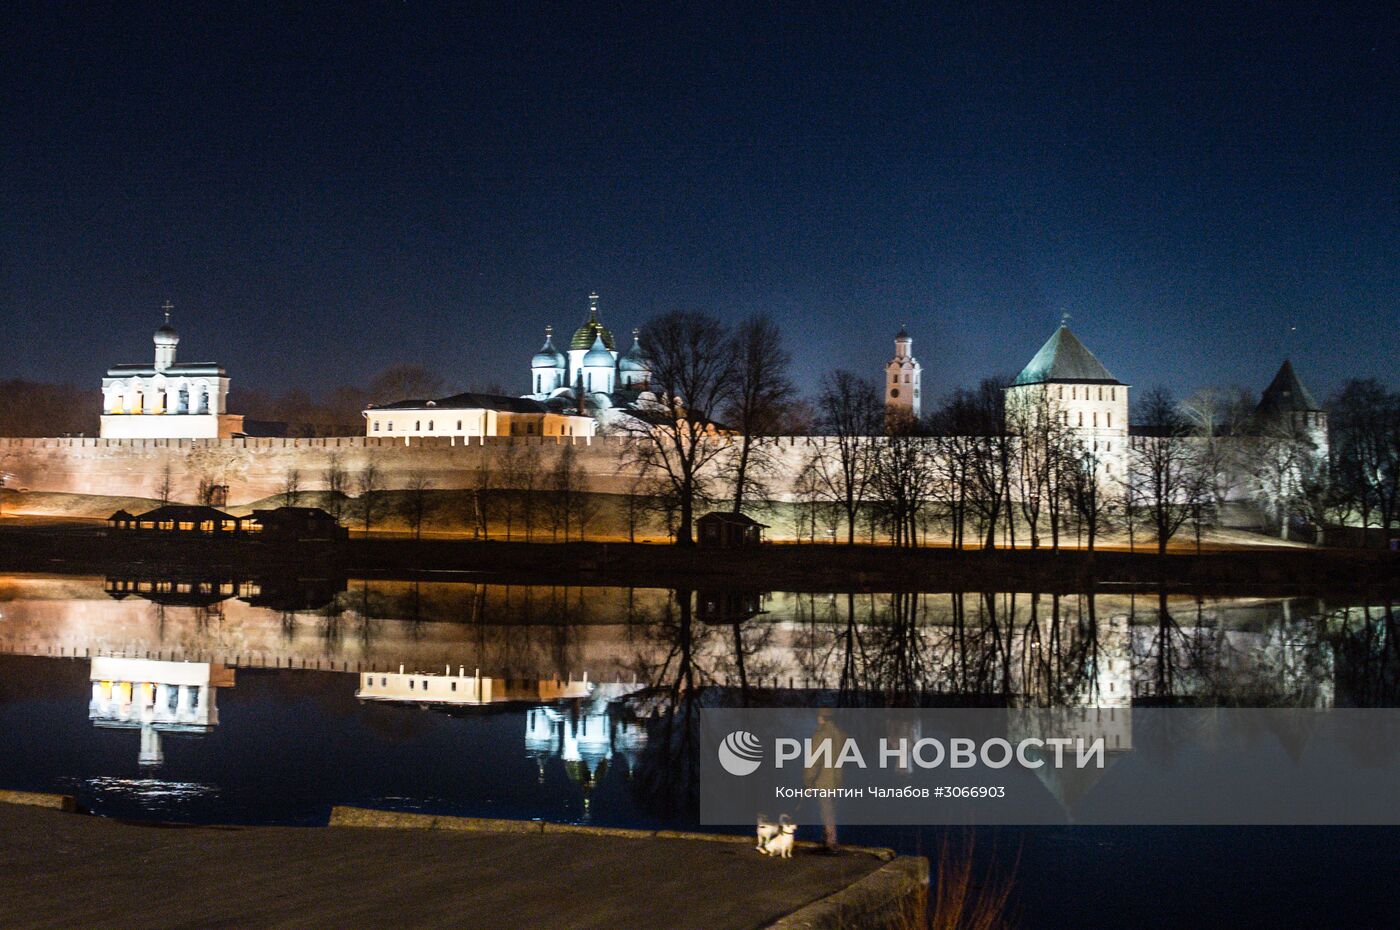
{"points": [[587, 735], [582, 723], [156, 698]]}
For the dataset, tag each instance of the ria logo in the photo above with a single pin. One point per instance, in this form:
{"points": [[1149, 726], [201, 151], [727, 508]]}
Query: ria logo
{"points": [[741, 753]]}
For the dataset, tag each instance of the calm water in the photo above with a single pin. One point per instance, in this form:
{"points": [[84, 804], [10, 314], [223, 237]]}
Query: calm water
{"points": [[221, 700]]}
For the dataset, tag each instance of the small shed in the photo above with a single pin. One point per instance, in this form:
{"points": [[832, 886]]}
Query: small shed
{"points": [[178, 520], [729, 530], [296, 524]]}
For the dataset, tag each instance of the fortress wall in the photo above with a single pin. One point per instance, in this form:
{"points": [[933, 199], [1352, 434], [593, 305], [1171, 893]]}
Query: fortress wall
{"points": [[258, 468]]}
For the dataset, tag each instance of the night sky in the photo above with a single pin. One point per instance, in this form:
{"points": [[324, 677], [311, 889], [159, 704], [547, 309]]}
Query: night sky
{"points": [[324, 192]]}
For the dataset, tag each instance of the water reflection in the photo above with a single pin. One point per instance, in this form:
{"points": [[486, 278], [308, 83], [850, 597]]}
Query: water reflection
{"points": [[156, 697], [606, 679]]}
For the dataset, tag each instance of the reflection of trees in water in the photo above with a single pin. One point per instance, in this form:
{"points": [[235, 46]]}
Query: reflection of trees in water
{"points": [[667, 778], [1366, 653]]}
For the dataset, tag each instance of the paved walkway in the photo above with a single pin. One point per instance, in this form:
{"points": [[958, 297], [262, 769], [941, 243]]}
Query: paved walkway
{"points": [[73, 871]]}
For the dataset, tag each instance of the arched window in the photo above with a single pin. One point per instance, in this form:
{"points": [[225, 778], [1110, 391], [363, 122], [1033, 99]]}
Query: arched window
{"points": [[1096, 418], [430, 426], [418, 426], [1081, 418], [1109, 420]]}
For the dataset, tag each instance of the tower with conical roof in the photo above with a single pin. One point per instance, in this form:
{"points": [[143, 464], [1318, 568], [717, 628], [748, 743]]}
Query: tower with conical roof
{"points": [[1287, 402], [902, 374], [1064, 380]]}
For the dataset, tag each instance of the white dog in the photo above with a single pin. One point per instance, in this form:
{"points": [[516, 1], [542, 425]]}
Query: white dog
{"points": [[767, 830], [780, 843]]}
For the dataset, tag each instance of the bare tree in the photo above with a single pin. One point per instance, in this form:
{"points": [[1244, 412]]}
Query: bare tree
{"points": [[692, 372], [367, 486], [1280, 461], [759, 403], [567, 486], [849, 413], [416, 500], [1085, 493], [529, 471], [1365, 448], [478, 498], [904, 474], [335, 480], [405, 382], [291, 486], [1165, 466], [165, 486]]}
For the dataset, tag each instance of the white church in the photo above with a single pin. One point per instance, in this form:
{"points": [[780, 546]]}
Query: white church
{"points": [[572, 394], [167, 399]]}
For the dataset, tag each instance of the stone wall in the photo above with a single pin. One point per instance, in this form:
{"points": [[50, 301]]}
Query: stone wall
{"points": [[255, 469]]}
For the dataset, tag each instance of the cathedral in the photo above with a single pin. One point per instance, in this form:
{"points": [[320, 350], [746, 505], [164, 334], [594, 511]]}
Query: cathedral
{"points": [[167, 399], [592, 378]]}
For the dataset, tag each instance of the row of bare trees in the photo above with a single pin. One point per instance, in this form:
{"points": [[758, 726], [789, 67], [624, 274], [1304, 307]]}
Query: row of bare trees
{"points": [[981, 474], [702, 369]]}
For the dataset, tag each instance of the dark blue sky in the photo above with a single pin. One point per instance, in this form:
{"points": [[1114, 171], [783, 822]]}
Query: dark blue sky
{"points": [[326, 192]]}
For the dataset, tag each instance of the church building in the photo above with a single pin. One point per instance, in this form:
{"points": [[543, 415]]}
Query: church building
{"points": [[166, 399], [902, 374], [592, 378]]}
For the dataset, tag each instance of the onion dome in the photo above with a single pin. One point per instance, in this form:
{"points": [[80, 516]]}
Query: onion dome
{"points": [[598, 356], [166, 335], [592, 329], [548, 356], [635, 359]]}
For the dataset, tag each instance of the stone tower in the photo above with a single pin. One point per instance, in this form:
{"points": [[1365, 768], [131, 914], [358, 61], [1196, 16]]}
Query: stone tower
{"points": [[1287, 401], [902, 373]]}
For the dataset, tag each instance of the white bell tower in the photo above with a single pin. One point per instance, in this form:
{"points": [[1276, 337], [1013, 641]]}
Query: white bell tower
{"points": [[902, 391]]}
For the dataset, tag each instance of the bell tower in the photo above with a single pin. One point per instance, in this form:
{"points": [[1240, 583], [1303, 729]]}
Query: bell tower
{"points": [[902, 391]]}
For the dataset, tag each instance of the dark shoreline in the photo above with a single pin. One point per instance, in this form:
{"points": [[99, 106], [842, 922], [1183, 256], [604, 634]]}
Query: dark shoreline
{"points": [[769, 567]]}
